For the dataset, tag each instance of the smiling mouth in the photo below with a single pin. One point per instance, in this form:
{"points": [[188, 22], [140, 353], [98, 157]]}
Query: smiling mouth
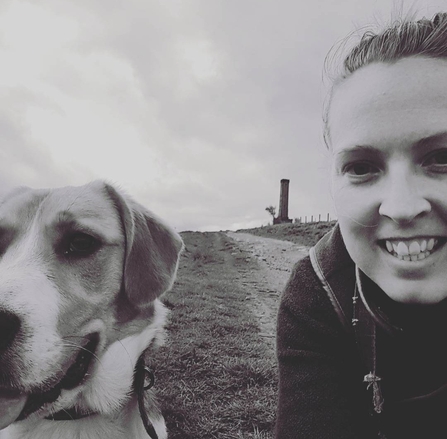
{"points": [[413, 250], [73, 377]]}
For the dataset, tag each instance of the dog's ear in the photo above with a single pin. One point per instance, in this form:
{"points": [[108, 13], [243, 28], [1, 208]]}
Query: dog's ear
{"points": [[151, 254]]}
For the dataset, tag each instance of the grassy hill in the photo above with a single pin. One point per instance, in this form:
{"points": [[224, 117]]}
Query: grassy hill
{"points": [[216, 377], [305, 234]]}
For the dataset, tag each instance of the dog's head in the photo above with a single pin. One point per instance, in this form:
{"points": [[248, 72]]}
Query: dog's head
{"points": [[81, 269]]}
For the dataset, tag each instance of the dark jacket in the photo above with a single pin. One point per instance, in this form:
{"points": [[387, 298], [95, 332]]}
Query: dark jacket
{"points": [[322, 367]]}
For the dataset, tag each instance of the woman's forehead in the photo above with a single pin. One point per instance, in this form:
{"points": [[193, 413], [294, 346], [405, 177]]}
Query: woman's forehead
{"points": [[391, 103]]}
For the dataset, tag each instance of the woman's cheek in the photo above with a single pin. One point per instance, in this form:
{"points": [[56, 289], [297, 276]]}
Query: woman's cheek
{"points": [[356, 204]]}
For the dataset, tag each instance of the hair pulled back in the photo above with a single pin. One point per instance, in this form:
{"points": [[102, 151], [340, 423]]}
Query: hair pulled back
{"points": [[402, 39]]}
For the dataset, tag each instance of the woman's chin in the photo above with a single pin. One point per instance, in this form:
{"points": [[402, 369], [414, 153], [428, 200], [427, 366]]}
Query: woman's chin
{"points": [[423, 292]]}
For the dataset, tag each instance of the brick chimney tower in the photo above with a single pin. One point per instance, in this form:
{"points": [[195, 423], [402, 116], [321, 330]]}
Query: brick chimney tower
{"points": [[283, 215]]}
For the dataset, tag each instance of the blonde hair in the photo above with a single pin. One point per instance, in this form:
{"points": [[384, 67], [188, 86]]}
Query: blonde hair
{"points": [[404, 38]]}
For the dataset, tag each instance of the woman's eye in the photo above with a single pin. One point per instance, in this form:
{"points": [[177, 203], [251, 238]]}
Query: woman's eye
{"points": [[438, 158], [360, 169], [81, 244]]}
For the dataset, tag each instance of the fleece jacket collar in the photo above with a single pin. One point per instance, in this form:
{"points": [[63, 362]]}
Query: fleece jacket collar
{"points": [[336, 271], [338, 275]]}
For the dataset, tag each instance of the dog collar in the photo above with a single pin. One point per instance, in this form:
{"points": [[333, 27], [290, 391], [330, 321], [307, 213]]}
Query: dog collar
{"points": [[144, 379]]}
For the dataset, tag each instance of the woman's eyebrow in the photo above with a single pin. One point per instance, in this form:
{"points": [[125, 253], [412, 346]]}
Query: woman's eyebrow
{"points": [[433, 139], [357, 148], [430, 140]]}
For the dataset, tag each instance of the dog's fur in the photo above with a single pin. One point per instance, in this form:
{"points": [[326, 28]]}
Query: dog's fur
{"points": [[61, 297]]}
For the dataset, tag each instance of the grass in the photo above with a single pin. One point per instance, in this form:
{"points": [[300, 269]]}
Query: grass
{"points": [[300, 233], [216, 378]]}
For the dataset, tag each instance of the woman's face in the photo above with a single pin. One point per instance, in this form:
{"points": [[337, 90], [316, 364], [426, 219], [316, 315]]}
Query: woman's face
{"points": [[388, 134]]}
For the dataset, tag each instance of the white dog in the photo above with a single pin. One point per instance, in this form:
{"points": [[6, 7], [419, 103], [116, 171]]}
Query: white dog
{"points": [[81, 270]]}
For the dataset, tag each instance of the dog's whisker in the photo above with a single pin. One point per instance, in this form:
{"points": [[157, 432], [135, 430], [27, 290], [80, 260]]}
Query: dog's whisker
{"points": [[68, 413], [81, 348], [54, 411], [70, 343], [124, 347], [76, 336]]}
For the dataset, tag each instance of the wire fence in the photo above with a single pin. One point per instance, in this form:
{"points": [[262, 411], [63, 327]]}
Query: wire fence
{"points": [[320, 218]]}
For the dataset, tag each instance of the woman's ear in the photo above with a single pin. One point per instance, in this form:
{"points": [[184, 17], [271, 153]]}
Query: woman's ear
{"points": [[152, 251]]}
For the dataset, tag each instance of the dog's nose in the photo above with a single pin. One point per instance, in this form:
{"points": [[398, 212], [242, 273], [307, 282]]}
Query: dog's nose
{"points": [[9, 327]]}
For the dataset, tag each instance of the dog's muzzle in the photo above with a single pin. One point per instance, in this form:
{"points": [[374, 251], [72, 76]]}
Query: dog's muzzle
{"points": [[16, 406]]}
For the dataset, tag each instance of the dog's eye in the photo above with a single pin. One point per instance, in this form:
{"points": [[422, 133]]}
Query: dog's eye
{"points": [[81, 244]]}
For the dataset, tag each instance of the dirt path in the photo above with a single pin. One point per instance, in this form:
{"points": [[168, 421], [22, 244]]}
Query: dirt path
{"points": [[276, 259]]}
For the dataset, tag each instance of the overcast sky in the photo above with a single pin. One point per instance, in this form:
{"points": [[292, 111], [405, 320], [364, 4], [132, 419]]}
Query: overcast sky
{"points": [[197, 108]]}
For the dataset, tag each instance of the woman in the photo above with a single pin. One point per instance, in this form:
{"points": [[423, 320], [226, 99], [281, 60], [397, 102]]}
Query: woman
{"points": [[362, 326]]}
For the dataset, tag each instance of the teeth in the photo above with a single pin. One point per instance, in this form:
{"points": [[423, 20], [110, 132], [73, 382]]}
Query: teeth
{"points": [[416, 251], [430, 244], [402, 249]]}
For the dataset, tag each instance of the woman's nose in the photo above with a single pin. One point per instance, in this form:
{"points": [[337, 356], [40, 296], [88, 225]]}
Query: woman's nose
{"points": [[403, 200]]}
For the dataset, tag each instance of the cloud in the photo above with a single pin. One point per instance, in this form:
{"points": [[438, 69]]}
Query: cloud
{"points": [[196, 108]]}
